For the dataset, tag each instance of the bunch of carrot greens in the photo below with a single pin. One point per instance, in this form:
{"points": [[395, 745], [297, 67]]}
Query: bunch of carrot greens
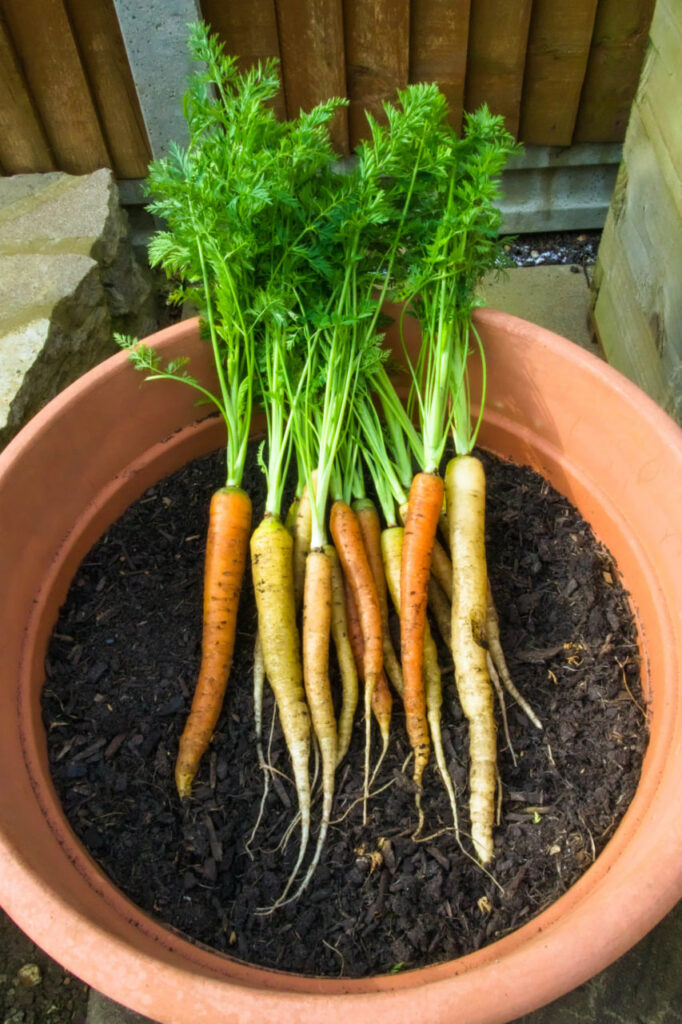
{"points": [[289, 263]]}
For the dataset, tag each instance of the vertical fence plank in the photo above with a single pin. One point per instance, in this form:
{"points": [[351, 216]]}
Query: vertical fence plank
{"points": [[100, 43], [313, 59], [558, 48], [616, 55], [249, 32], [498, 36], [377, 38], [439, 32], [46, 48], [23, 146]]}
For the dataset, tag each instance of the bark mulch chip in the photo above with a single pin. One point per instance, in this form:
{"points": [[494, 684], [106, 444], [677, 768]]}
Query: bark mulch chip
{"points": [[120, 671]]}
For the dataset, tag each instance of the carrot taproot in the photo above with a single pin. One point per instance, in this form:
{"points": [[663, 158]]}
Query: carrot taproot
{"points": [[226, 553], [302, 531], [370, 526], [344, 656], [381, 699], [273, 584], [317, 618], [441, 565], [426, 499], [391, 547], [465, 494], [348, 540]]}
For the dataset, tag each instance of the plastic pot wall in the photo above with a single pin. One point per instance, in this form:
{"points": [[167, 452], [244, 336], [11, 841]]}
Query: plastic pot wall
{"points": [[97, 447]]}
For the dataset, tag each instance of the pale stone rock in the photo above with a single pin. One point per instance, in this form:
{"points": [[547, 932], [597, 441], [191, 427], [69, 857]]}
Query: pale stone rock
{"points": [[68, 279]]}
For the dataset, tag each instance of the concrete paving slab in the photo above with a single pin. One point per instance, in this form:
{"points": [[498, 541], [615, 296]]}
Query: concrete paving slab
{"points": [[104, 1011], [556, 297]]}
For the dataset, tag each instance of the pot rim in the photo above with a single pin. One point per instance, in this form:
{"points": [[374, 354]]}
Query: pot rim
{"points": [[49, 918]]}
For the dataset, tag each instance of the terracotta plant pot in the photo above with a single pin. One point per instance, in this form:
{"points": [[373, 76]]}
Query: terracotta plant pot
{"points": [[96, 448]]}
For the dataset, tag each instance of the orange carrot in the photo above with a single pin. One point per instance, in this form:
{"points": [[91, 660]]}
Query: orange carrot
{"points": [[382, 701], [426, 500], [227, 546], [347, 536], [368, 518], [344, 654]]}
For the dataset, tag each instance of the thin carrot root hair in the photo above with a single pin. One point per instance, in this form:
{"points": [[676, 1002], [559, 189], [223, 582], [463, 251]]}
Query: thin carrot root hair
{"points": [[434, 701], [344, 656], [317, 618], [348, 540], [227, 546], [500, 662], [258, 686], [272, 570]]}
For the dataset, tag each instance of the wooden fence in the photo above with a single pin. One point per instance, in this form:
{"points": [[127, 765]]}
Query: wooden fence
{"points": [[561, 71]]}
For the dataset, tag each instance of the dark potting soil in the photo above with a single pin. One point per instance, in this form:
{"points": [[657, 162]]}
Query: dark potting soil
{"points": [[120, 671]]}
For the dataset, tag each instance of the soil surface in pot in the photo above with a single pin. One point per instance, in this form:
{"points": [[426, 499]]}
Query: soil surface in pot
{"points": [[120, 671]]}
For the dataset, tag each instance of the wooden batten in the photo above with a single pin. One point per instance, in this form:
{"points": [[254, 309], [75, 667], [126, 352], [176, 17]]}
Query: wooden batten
{"points": [[377, 40], [100, 44], [249, 32], [498, 36], [439, 34], [42, 36], [23, 145], [558, 51], [615, 61], [313, 58], [637, 296]]}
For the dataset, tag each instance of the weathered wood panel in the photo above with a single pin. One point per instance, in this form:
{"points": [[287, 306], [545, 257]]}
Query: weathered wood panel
{"points": [[377, 40], [498, 36], [23, 145], [313, 59], [439, 33], [616, 54], [100, 45], [558, 49], [67, 99], [638, 299], [49, 56], [249, 32]]}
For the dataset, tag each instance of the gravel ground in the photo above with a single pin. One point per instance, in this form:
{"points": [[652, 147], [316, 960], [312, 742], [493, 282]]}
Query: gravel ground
{"points": [[568, 247]]}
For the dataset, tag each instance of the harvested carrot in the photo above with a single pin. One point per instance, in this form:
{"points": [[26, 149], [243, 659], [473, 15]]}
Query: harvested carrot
{"points": [[382, 708], [347, 536], [317, 617], [381, 699], [344, 656], [301, 532], [355, 638], [226, 552], [441, 566], [368, 518], [426, 499], [273, 584], [465, 492]]}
